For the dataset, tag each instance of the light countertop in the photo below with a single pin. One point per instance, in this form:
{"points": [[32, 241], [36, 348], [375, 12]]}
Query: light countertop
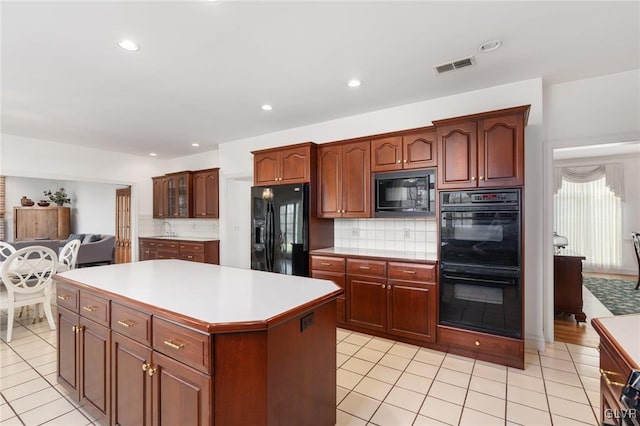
{"points": [[181, 238], [386, 254], [625, 329], [209, 293]]}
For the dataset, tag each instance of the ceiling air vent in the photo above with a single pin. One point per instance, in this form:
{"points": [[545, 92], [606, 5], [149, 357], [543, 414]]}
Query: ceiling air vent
{"points": [[454, 65]]}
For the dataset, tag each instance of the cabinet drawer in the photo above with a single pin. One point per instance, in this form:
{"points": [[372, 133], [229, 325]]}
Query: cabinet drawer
{"points": [[326, 263], [192, 257], [67, 296], [94, 307], [191, 247], [481, 342], [183, 344], [412, 272], [168, 254], [132, 323], [148, 243], [168, 246], [376, 268]]}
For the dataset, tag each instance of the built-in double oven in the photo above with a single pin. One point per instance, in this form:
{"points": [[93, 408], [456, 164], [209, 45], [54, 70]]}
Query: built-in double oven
{"points": [[480, 260]]}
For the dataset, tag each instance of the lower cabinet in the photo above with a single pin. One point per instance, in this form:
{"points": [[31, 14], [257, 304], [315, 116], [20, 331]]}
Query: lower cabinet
{"points": [[201, 251], [152, 389], [392, 298]]}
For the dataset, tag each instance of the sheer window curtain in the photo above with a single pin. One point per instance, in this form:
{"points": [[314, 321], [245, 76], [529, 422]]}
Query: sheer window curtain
{"points": [[588, 212]]}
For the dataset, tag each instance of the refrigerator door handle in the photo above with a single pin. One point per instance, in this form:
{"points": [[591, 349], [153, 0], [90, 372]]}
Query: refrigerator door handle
{"points": [[269, 238]]}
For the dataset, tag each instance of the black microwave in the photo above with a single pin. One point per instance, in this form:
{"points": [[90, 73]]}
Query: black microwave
{"points": [[402, 194]]}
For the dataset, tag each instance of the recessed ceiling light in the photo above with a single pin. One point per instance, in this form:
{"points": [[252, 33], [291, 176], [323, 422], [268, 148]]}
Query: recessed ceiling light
{"points": [[128, 45], [195, 144], [153, 154], [354, 83], [490, 46], [267, 107]]}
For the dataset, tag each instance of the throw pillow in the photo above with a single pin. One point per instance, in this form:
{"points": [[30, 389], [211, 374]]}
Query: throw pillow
{"points": [[75, 237], [95, 237]]}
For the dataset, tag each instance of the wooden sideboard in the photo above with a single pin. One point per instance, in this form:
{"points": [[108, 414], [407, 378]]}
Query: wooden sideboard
{"points": [[567, 285], [41, 222]]}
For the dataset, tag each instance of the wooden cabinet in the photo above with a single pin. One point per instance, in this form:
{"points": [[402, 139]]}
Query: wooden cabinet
{"points": [[84, 347], [186, 194], [567, 285], [409, 151], [290, 164], [391, 298], [344, 180], [206, 193], [482, 150], [195, 251], [41, 222]]}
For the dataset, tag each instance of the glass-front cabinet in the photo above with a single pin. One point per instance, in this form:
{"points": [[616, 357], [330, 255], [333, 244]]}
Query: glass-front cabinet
{"points": [[178, 194]]}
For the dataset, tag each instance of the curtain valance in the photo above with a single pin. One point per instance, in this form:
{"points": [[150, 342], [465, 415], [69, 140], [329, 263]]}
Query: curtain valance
{"points": [[613, 173]]}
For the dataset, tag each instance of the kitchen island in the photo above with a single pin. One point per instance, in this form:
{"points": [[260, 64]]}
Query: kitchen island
{"points": [[177, 342]]}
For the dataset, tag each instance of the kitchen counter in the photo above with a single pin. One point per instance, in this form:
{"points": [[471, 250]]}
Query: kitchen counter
{"points": [[215, 345], [378, 253], [181, 238], [624, 330]]}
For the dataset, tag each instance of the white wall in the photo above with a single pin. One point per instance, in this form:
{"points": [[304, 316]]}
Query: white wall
{"points": [[592, 111], [92, 204]]}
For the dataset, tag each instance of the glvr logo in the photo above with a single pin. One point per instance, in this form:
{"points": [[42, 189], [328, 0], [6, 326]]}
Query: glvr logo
{"points": [[630, 413]]}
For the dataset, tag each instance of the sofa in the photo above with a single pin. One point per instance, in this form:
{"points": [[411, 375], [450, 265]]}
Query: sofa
{"points": [[94, 249]]}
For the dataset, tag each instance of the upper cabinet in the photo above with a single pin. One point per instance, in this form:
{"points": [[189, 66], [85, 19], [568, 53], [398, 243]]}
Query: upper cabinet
{"points": [[206, 193], [482, 150], [344, 180], [186, 194], [414, 150], [277, 166]]}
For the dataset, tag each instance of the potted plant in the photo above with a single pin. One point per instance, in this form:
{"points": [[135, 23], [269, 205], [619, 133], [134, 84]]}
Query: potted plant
{"points": [[59, 197]]}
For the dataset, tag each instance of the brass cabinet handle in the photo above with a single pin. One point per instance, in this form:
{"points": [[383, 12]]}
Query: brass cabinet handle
{"points": [[174, 345], [126, 323], [64, 297], [473, 178], [325, 263], [477, 342], [383, 286], [90, 308], [405, 161], [481, 177], [398, 161], [151, 371], [145, 366], [365, 267], [77, 328], [409, 272]]}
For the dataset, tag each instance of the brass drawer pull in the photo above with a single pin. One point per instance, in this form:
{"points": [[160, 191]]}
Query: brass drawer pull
{"points": [[126, 323], [606, 372], [151, 371], [365, 267], [409, 272], [90, 308], [477, 343], [325, 263], [608, 381], [64, 297], [77, 328], [145, 366], [174, 345]]}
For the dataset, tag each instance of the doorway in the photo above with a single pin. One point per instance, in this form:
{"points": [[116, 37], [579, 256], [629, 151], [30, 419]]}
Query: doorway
{"points": [[123, 226]]}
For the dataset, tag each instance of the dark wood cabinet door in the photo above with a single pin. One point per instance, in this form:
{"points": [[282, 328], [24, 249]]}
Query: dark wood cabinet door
{"points": [[181, 395], [294, 165], [356, 180], [338, 279], [266, 167], [159, 190], [330, 182], [457, 155], [68, 351], [130, 383], [412, 310], [386, 154], [206, 193], [95, 364], [501, 151], [367, 302], [419, 150]]}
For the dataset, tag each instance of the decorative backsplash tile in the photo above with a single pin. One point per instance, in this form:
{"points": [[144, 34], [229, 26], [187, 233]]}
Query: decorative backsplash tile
{"points": [[411, 235], [149, 227]]}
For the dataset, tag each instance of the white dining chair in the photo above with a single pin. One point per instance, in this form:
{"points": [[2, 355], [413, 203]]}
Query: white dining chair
{"points": [[68, 256], [28, 276], [6, 250]]}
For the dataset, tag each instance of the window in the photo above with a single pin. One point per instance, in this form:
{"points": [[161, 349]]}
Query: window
{"points": [[2, 210], [589, 214]]}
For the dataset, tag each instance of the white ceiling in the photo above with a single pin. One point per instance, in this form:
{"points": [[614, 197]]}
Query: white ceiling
{"points": [[205, 68]]}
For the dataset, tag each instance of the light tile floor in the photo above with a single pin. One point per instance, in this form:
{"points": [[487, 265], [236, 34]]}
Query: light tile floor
{"points": [[380, 382]]}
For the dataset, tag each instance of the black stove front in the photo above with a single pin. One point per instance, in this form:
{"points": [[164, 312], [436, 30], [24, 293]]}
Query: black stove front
{"points": [[480, 261]]}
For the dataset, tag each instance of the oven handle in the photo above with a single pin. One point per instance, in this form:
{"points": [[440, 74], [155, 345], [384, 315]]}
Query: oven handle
{"points": [[457, 277]]}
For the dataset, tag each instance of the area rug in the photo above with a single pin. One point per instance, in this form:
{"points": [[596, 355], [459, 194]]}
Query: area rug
{"points": [[618, 296]]}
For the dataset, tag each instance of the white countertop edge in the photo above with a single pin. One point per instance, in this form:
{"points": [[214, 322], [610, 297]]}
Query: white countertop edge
{"points": [[393, 254]]}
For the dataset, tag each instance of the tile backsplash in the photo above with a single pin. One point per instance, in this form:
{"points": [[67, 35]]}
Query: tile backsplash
{"points": [[410, 235], [149, 227]]}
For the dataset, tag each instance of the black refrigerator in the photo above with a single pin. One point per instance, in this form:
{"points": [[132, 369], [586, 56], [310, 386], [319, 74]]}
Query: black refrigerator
{"points": [[280, 229]]}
